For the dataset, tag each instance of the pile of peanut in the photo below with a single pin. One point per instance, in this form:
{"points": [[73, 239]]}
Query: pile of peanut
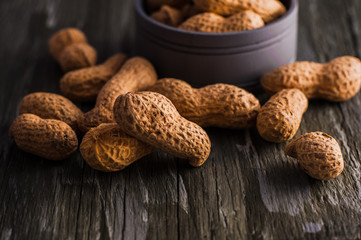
{"points": [[135, 113], [215, 16]]}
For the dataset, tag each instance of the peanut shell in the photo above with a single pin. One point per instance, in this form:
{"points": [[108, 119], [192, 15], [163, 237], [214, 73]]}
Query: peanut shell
{"points": [[48, 138], [77, 56], [153, 119], [211, 22], [217, 105], [281, 116], [107, 148], [84, 84], [269, 10], [338, 80], [136, 74], [70, 48], [318, 153], [51, 106], [64, 38]]}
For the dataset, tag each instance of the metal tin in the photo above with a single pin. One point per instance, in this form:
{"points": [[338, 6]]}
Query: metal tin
{"points": [[238, 58]]}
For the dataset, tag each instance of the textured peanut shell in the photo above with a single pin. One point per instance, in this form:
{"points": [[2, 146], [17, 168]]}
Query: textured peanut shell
{"points": [[338, 80], [77, 56], [64, 38], [211, 22], [281, 116], [48, 138], [318, 153], [70, 48], [136, 74], [83, 85], [269, 10], [107, 148], [153, 119], [154, 5], [217, 105], [51, 106], [168, 15]]}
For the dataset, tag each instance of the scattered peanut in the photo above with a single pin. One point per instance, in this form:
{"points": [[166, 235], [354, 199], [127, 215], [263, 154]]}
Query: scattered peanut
{"points": [[338, 80], [168, 15], [51, 106], [279, 119], [269, 10], [107, 148], [217, 105], [211, 22], [152, 118], [84, 84], [70, 48], [47, 138], [318, 154], [136, 74]]}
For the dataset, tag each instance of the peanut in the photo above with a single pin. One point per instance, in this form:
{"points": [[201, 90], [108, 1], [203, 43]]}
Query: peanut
{"points": [[47, 138], [154, 5], [107, 148], [318, 154], [338, 80], [269, 10], [279, 119], [136, 74], [51, 106], [70, 48], [84, 84], [168, 15], [211, 22], [217, 105], [153, 119]]}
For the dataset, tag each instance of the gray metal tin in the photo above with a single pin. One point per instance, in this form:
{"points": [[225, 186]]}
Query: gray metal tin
{"points": [[238, 58]]}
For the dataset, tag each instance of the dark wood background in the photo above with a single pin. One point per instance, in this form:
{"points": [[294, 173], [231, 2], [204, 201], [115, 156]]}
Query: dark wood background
{"points": [[248, 189]]}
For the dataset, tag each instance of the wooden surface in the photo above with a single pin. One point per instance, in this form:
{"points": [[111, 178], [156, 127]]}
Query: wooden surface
{"points": [[248, 189]]}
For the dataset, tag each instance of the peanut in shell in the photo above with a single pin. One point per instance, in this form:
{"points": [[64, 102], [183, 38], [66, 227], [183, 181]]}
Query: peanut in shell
{"points": [[107, 148], [216, 105], [48, 138], [152, 118], [336, 81], [318, 153]]}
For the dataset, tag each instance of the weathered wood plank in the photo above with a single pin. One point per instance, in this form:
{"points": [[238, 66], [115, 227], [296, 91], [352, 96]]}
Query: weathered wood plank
{"points": [[248, 189]]}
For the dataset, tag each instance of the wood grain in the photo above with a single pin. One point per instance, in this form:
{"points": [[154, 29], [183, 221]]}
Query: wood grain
{"points": [[248, 189]]}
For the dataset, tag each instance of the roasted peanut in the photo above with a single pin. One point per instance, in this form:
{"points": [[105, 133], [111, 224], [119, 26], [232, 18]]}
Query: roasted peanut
{"points": [[48, 138], [217, 105], [279, 119], [83, 85], [51, 106], [338, 80], [107, 148], [318, 154], [211, 22], [136, 74], [70, 48], [269, 10], [153, 119]]}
